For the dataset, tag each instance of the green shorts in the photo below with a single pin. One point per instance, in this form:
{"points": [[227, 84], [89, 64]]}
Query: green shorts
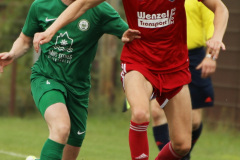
{"points": [[47, 91]]}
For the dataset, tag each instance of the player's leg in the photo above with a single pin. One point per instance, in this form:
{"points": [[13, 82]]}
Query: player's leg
{"points": [[58, 121], [159, 124], [77, 109], [70, 152], [49, 97], [196, 124], [196, 129], [138, 92], [202, 94], [178, 113]]}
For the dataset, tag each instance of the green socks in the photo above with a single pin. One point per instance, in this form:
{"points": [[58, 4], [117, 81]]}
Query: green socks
{"points": [[52, 150]]}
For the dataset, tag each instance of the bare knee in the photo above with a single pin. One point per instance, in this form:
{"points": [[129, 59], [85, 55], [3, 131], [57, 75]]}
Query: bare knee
{"points": [[60, 132], [63, 130], [196, 119], [196, 125], [156, 116], [181, 147], [140, 116]]}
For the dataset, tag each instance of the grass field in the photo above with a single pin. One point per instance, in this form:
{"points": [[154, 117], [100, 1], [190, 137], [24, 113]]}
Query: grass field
{"points": [[106, 139]]}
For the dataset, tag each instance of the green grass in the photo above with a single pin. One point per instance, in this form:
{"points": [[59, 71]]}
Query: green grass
{"points": [[107, 139]]}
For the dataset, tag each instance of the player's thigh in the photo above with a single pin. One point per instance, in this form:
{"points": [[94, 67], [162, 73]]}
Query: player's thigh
{"points": [[57, 114], [178, 113], [138, 92], [137, 89], [52, 106]]}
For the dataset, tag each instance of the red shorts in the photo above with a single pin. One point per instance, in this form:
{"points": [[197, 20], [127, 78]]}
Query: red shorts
{"points": [[165, 85]]}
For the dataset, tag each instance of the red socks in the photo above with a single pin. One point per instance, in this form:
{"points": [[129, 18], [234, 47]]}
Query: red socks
{"points": [[138, 141], [167, 153]]}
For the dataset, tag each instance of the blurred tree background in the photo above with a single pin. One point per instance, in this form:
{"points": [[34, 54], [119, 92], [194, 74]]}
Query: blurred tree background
{"points": [[15, 93], [15, 81]]}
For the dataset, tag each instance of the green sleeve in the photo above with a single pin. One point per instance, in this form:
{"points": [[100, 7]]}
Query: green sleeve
{"points": [[31, 25], [111, 21]]}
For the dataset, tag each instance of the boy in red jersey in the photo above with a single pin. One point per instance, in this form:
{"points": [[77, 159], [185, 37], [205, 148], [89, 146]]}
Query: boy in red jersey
{"points": [[155, 65]]}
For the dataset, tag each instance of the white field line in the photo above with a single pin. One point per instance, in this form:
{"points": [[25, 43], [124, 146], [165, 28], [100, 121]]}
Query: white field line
{"points": [[13, 154]]}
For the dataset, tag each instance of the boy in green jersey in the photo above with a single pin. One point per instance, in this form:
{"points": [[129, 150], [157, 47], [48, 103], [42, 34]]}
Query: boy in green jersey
{"points": [[60, 79]]}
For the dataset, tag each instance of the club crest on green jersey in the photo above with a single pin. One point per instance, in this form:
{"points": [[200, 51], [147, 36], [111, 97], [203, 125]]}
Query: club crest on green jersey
{"points": [[83, 25]]}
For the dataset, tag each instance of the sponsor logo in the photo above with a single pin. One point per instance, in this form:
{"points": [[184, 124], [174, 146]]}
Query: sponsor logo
{"points": [[48, 82], [48, 20], [80, 133], [64, 42], [159, 143], [142, 156], [83, 25], [208, 100], [62, 49], [157, 20]]}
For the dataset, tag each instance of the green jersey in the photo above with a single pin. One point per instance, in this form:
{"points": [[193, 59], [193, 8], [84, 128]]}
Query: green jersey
{"points": [[68, 56]]}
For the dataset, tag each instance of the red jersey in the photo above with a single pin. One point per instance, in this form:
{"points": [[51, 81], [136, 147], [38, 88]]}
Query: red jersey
{"points": [[162, 23]]}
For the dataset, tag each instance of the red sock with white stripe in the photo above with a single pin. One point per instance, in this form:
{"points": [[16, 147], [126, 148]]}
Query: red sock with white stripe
{"points": [[138, 141], [167, 153]]}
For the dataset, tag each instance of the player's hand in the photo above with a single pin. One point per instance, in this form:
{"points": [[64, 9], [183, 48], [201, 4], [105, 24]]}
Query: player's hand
{"points": [[130, 34], [41, 38], [208, 66], [214, 46], [6, 58]]}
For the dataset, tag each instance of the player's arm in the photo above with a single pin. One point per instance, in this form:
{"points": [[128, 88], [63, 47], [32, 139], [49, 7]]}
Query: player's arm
{"points": [[208, 65], [19, 48], [75, 10], [113, 24], [220, 24]]}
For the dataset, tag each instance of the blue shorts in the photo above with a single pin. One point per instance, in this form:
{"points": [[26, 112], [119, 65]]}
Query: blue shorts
{"points": [[201, 89]]}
